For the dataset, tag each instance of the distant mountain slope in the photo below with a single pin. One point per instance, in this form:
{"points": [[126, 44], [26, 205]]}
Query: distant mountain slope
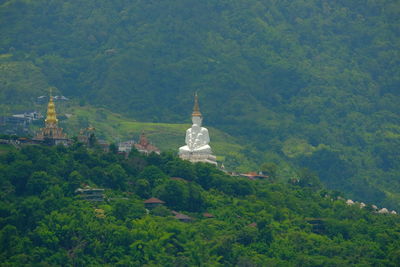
{"points": [[22, 81], [168, 137], [318, 76]]}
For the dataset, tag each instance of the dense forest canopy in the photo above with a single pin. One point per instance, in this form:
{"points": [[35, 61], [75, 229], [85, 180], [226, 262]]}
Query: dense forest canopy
{"points": [[315, 83], [250, 223]]}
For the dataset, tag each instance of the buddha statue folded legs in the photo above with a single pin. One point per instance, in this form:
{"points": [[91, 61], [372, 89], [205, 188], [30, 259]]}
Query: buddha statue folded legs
{"points": [[205, 149]]}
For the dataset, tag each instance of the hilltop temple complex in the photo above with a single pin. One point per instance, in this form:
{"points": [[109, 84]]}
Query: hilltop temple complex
{"points": [[51, 133], [197, 148], [143, 146]]}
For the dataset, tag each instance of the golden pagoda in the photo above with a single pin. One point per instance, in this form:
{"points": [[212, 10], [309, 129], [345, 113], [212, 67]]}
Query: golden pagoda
{"points": [[51, 113], [196, 109], [51, 133]]}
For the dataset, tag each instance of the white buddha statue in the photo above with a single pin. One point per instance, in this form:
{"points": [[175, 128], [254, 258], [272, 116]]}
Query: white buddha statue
{"points": [[197, 139]]}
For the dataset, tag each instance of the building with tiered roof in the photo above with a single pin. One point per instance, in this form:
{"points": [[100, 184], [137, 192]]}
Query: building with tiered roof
{"points": [[144, 146], [51, 134]]}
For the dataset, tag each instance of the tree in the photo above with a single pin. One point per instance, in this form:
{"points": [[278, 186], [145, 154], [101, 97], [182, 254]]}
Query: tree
{"points": [[181, 168], [75, 179], [8, 239], [161, 211], [116, 176], [153, 175], [309, 179], [143, 188], [39, 182], [195, 201], [19, 173], [113, 148], [270, 169], [204, 174], [127, 209], [174, 193]]}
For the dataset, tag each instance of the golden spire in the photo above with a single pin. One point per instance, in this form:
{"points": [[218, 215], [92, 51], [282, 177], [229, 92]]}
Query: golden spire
{"points": [[196, 109], [51, 111]]}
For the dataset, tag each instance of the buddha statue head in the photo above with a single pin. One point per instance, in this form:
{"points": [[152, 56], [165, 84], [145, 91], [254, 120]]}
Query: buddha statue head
{"points": [[196, 115], [197, 120]]}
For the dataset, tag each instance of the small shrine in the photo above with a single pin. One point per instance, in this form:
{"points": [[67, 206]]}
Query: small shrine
{"points": [[51, 134], [145, 147], [182, 217], [153, 202], [87, 136]]}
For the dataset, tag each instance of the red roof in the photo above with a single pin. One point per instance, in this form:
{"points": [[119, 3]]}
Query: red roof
{"points": [[181, 216], [252, 224], [145, 145], [178, 179], [153, 200], [208, 215]]}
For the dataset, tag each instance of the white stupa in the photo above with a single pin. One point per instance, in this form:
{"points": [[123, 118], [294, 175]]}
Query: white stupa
{"points": [[383, 211], [197, 148]]}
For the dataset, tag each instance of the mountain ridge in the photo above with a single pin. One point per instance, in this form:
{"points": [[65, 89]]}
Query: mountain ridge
{"points": [[268, 72]]}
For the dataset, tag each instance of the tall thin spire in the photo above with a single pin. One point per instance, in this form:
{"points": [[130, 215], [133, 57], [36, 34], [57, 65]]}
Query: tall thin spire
{"points": [[143, 139], [51, 111], [196, 109]]}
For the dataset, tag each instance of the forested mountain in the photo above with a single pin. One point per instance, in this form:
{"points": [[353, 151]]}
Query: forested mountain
{"points": [[315, 83], [234, 221]]}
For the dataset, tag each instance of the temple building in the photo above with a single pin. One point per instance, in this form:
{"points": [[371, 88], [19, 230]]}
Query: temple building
{"points": [[126, 147], [91, 194], [153, 203], [51, 134], [145, 147], [197, 148], [87, 136]]}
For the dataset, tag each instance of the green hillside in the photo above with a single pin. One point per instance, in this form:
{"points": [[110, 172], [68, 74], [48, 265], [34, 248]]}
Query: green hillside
{"points": [[168, 137], [4, 149], [44, 222], [312, 83]]}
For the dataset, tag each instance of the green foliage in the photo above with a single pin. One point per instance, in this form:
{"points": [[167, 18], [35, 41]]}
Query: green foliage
{"points": [[38, 182], [284, 76], [21, 81], [270, 169], [127, 209], [315, 84], [161, 211], [309, 179], [255, 223], [153, 175], [181, 195]]}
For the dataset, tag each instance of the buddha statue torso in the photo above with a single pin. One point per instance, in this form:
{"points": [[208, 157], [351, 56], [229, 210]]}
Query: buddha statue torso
{"points": [[197, 139]]}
